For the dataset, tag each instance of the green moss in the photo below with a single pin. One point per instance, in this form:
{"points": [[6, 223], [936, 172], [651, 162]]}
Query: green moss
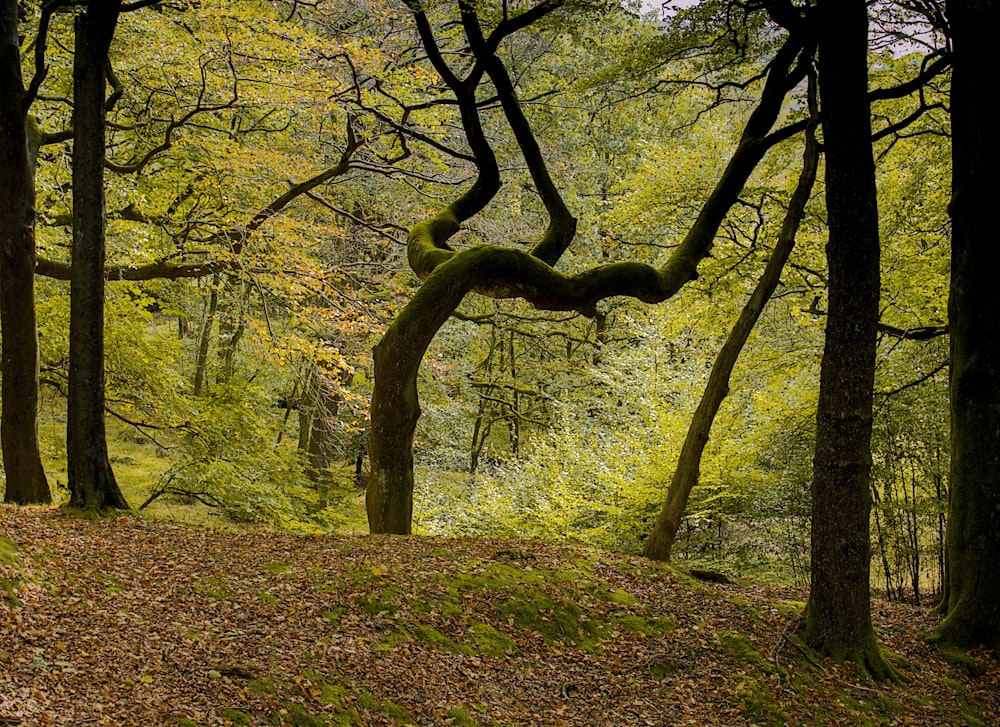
{"points": [[332, 695], [756, 703], [213, 587], [460, 717], [394, 712], [790, 608], [961, 658], [267, 598], [9, 553], [385, 601], [277, 568], [237, 716], [647, 626], [555, 619], [185, 722], [365, 700], [331, 587], [264, 685], [622, 598], [437, 640], [333, 615], [490, 642], [297, 715], [668, 664], [741, 648]]}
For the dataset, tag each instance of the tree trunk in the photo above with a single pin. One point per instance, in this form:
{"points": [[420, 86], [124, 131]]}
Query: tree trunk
{"points": [[972, 540], [838, 622], [92, 483], [325, 409], [661, 540], [205, 340], [395, 406], [22, 462]]}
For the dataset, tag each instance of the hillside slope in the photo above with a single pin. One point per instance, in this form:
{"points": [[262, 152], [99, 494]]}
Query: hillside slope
{"points": [[127, 621]]}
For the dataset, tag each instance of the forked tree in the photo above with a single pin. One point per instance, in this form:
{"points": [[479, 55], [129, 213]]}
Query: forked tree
{"points": [[448, 274]]}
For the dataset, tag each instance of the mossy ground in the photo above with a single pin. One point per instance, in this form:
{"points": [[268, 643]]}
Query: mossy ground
{"points": [[272, 629]]}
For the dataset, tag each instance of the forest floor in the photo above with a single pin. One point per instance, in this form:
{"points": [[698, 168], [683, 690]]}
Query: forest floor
{"points": [[127, 621]]}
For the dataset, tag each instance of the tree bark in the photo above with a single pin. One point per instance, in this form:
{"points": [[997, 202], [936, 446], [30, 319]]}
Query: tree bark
{"points": [[661, 539], [22, 461], [92, 482], [972, 541], [838, 622]]}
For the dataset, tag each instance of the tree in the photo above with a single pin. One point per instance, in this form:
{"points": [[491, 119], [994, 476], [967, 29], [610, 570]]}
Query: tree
{"points": [[448, 275], [25, 475], [838, 621], [972, 592], [92, 483], [685, 477]]}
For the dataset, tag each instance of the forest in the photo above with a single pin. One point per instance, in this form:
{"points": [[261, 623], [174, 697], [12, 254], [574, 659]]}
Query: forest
{"points": [[705, 286]]}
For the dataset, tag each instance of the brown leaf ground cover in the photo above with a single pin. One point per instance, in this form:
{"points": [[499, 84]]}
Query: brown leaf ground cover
{"points": [[127, 621]]}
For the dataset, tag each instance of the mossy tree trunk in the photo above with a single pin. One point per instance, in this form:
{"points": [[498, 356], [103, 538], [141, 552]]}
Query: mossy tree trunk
{"points": [[22, 462], [92, 483], [972, 542], [661, 539], [501, 272], [838, 622]]}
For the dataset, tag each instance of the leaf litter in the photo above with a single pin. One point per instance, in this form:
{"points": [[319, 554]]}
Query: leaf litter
{"points": [[127, 621]]}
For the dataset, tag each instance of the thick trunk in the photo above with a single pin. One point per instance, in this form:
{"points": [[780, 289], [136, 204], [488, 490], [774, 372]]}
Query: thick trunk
{"points": [[973, 534], [395, 407], [92, 483], [661, 540], [22, 462], [839, 611]]}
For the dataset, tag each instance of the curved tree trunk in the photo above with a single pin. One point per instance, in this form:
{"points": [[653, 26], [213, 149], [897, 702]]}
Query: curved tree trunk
{"points": [[503, 272], [838, 620], [395, 405], [972, 541], [22, 462], [661, 539], [92, 483]]}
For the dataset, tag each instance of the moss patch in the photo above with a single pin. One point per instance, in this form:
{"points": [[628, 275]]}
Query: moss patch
{"points": [[9, 553], [236, 716], [490, 642], [460, 717]]}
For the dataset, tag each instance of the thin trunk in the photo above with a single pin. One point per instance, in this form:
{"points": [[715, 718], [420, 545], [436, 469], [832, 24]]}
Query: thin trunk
{"points": [[514, 423], [882, 549], [22, 461], [912, 535], [661, 540], [92, 482], [205, 340]]}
